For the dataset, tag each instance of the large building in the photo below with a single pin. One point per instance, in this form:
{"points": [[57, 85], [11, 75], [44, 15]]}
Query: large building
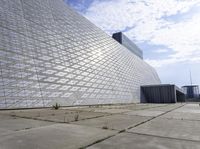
{"points": [[49, 53]]}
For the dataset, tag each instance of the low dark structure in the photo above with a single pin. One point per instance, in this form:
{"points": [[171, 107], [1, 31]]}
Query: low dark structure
{"points": [[166, 93]]}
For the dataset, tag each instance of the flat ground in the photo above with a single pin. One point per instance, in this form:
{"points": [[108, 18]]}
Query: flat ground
{"points": [[138, 126]]}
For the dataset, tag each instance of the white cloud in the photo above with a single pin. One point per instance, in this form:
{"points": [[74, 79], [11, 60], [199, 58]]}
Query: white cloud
{"points": [[162, 62], [161, 51], [146, 23]]}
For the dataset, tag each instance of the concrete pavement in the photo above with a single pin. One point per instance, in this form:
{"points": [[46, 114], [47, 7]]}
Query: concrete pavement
{"points": [[130, 126]]}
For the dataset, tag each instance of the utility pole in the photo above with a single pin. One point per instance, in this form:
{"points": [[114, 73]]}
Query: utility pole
{"points": [[190, 77]]}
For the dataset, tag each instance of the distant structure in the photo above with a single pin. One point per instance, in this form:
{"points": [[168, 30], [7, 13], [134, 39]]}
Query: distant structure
{"points": [[126, 42], [191, 92]]}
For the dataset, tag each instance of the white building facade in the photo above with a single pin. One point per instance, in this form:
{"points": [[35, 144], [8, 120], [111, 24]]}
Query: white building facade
{"points": [[49, 53]]}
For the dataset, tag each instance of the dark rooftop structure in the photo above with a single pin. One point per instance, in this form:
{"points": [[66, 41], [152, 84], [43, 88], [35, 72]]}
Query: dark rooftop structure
{"points": [[165, 93], [126, 42]]}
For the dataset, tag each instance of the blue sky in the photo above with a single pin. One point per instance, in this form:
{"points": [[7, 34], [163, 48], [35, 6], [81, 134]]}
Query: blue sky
{"points": [[168, 32]]}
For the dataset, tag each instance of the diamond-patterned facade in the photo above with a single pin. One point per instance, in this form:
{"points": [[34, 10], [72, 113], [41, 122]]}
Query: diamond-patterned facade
{"points": [[49, 53]]}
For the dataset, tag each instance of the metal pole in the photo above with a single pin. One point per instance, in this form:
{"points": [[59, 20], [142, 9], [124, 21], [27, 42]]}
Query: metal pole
{"points": [[190, 77]]}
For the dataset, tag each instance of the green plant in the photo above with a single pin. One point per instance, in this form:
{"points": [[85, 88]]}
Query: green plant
{"points": [[56, 106]]}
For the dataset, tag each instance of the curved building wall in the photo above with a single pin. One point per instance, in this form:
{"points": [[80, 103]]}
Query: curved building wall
{"points": [[49, 53]]}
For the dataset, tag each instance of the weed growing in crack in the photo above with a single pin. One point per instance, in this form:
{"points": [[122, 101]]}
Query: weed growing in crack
{"points": [[56, 106]]}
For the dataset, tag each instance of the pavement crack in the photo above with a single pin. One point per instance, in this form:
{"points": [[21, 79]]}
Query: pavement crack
{"points": [[171, 138], [98, 141]]}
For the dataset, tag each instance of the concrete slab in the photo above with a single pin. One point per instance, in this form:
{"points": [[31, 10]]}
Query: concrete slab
{"points": [[5, 117], [189, 108], [40, 113], [16, 124], [138, 107], [4, 131], [180, 129], [120, 107], [60, 136], [103, 109], [86, 109], [166, 108], [116, 122], [182, 116], [145, 113], [129, 141], [71, 117], [112, 110], [145, 107]]}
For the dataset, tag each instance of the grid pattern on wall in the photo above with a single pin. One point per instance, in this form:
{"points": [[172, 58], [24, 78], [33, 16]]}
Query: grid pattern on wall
{"points": [[49, 53]]}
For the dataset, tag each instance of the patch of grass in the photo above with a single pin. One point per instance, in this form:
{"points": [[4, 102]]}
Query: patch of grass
{"points": [[56, 106]]}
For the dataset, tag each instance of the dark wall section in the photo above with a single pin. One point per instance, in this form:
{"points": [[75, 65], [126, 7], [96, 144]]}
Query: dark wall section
{"points": [[126, 42], [161, 94], [180, 96], [118, 37]]}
